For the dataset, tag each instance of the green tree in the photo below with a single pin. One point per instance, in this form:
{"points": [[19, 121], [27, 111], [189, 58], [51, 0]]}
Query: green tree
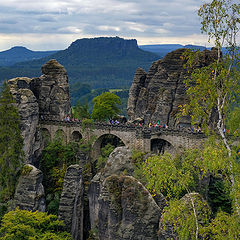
{"points": [[213, 89], [81, 111], [105, 106], [22, 224], [105, 152], [56, 157], [11, 144], [174, 176]]}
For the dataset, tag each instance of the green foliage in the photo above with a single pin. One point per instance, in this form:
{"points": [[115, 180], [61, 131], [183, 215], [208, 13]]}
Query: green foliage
{"points": [[105, 106], [22, 224], [11, 144], [138, 158], [80, 111], [105, 152], [87, 123], [224, 226], [3, 209], [172, 176], [26, 169], [233, 123], [214, 89], [93, 234], [56, 158], [219, 195], [217, 86], [99, 62], [180, 215]]}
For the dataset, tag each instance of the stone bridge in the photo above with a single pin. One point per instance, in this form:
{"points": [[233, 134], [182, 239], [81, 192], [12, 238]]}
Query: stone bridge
{"points": [[144, 139]]}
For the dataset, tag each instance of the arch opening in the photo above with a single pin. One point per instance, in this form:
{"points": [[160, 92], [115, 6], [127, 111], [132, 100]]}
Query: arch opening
{"points": [[103, 140], [76, 136], [46, 136], [160, 146], [60, 134]]}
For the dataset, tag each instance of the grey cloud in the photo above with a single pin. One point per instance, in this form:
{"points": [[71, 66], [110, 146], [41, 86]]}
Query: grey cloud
{"points": [[133, 18], [46, 18], [8, 21]]}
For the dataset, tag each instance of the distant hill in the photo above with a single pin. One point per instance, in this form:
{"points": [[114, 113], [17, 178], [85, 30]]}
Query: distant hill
{"points": [[162, 49], [105, 62], [21, 54]]}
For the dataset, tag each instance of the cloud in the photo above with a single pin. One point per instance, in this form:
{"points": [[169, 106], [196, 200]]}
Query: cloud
{"points": [[144, 20], [46, 18], [107, 28]]}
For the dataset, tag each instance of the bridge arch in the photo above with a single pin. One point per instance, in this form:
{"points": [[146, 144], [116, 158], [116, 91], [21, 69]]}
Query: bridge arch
{"points": [[76, 136], [161, 146], [46, 136], [103, 140], [62, 135]]}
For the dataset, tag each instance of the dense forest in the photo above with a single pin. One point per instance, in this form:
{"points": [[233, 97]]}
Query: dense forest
{"points": [[100, 62]]}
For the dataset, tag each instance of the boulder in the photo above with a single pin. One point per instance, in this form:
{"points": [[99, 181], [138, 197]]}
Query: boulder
{"points": [[29, 194], [126, 210], [119, 161], [120, 206], [71, 202]]}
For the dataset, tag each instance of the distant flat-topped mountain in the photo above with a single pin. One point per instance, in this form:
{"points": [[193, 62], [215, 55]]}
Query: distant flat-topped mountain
{"points": [[105, 62], [162, 49], [21, 54]]}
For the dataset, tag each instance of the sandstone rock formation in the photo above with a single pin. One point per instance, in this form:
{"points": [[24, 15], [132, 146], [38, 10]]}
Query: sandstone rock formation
{"points": [[29, 194], [120, 206], [127, 210], [157, 94], [52, 91], [29, 114], [71, 202], [46, 97]]}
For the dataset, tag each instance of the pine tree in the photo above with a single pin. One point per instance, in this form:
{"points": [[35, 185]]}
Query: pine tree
{"points": [[11, 144]]}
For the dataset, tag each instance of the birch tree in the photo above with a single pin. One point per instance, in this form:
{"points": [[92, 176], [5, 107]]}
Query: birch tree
{"points": [[214, 89]]}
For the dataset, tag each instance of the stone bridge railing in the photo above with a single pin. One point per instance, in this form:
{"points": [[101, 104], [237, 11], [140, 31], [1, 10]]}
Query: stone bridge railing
{"points": [[128, 128]]}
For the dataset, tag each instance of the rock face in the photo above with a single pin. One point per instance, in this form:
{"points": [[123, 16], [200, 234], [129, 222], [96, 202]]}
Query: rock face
{"points": [[46, 97], [71, 202], [29, 113], [52, 91], [157, 94], [29, 194], [120, 206], [127, 210]]}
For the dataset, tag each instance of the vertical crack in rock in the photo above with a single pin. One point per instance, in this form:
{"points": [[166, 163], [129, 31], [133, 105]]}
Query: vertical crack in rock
{"points": [[173, 93], [71, 202], [76, 226]]}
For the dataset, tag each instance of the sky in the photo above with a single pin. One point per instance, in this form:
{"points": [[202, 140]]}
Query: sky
{"points": [[55, 24]]}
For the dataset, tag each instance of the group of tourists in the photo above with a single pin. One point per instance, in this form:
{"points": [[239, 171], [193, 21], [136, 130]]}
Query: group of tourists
{"points": [[157, 125], [68, 119], [113, 122]]}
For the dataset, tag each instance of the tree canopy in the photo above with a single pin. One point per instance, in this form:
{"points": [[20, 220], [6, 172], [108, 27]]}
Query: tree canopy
{"points": [[105, 106], [11, 144], [214, 89], [22, 224]]}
